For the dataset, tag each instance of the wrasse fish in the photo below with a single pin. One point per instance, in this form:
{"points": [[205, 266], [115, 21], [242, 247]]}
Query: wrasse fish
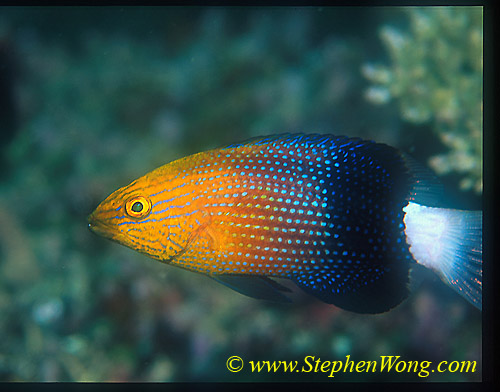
{"points": [[345, 219]]}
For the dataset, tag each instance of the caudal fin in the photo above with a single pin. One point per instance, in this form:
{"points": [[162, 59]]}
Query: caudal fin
{"points": [[449, 242]]}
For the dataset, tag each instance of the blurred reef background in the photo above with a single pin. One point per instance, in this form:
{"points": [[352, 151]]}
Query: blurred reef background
{"points": [[92, 98]]}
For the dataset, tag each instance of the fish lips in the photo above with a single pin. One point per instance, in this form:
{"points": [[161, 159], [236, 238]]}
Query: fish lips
{"points": [[103, 229]]}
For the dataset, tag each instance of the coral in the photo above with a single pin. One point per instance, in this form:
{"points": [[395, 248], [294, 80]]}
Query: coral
{"points": [[436, 76]]}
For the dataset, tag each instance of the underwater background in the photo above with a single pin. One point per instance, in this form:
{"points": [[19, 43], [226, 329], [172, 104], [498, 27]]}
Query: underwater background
{"points": [[92, 98]]}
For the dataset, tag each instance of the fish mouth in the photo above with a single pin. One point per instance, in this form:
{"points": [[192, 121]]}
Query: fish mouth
{"points": [[107, 230], [99, 227]]}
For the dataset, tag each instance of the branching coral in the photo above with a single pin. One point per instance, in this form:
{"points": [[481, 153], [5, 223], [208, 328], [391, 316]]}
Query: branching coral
{"points": [[436, 76]]}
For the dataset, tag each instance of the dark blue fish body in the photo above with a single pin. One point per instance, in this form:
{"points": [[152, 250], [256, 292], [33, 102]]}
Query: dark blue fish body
{"points": [[363, 187]]}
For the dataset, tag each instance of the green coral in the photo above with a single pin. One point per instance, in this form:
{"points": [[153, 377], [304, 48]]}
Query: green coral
{"points": [[436, 76]]}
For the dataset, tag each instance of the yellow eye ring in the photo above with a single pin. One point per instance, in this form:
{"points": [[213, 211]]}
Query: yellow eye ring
{"points": [[138, 207]]}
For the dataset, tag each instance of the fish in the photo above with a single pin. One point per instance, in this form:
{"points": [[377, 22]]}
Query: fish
{"points": [[347, 220]]}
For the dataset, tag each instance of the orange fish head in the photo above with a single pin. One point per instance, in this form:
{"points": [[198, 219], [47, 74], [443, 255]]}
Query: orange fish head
{"points": [[130, 217]]}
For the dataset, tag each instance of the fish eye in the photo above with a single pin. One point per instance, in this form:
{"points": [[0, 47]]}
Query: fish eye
{"points": [[138, 207]]}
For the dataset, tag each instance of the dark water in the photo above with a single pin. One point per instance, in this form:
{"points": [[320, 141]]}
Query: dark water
{"points": [[99, 96]]}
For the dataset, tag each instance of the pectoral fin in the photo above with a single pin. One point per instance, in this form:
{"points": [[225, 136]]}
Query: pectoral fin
{"points": [[255, 286]]}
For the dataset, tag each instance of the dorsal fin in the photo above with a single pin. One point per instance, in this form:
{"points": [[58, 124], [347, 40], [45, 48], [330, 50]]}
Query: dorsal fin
{"points": [[291, 138]]}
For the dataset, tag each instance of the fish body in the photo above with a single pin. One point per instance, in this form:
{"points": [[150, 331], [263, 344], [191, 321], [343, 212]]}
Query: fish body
{"points": [[344, 218]]}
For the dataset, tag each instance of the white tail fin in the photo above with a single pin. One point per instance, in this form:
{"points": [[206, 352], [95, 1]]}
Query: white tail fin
{"points": [[450, 243]]}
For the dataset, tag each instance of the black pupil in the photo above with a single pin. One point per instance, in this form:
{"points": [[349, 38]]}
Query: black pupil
{"points": [[137, 206]]}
